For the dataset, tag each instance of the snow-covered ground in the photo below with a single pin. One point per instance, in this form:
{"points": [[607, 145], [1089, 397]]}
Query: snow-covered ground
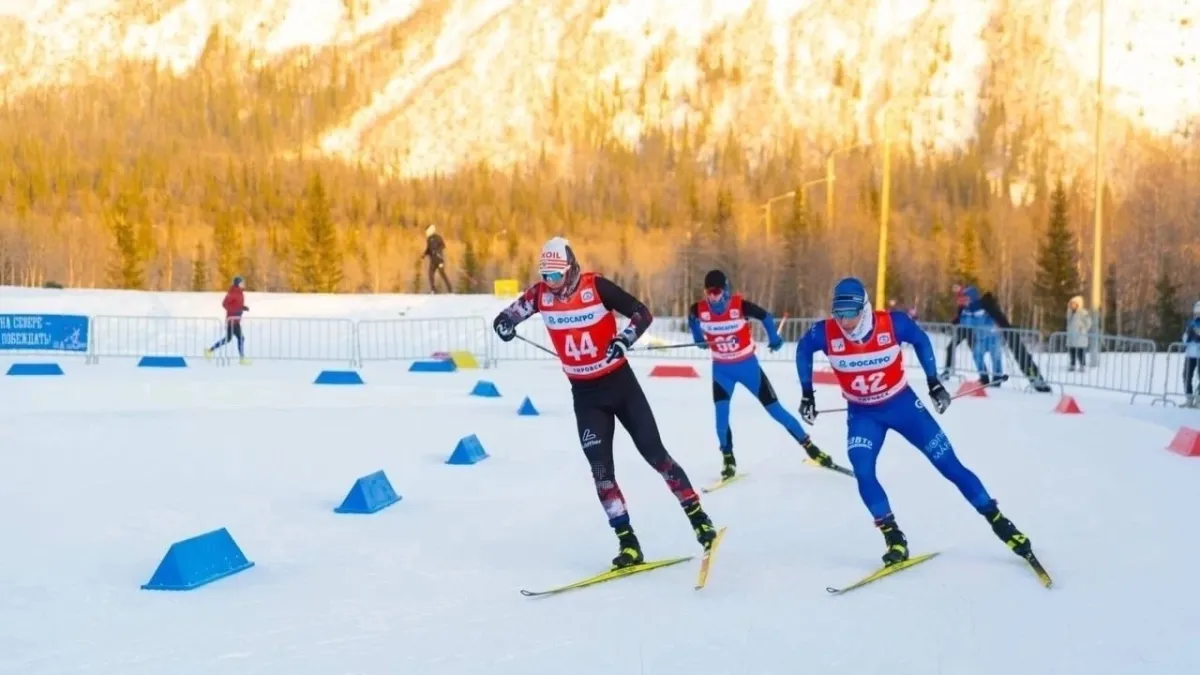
{"points": [[103, 468]]}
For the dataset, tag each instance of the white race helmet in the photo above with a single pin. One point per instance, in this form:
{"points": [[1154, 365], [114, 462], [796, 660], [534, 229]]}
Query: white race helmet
{"points": [[558, 267]]}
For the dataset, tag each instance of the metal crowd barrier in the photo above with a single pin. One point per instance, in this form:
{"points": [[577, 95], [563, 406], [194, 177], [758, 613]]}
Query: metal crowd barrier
{"points": [[132, 337], [1130, 366], [1174, 384], [412, 339]]}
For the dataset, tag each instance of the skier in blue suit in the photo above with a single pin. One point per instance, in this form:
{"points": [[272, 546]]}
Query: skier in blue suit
{"points": [[721, 323], [864, 351], [987, 336], [1191, 361]]}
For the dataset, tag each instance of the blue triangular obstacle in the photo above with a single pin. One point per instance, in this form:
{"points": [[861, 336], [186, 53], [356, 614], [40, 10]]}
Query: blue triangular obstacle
{"points": [[35, 369], [485, 388], [162, 362], [203, 559], [527, 408], [338, 377], [369, 494], [439, 366], [468, 451]]}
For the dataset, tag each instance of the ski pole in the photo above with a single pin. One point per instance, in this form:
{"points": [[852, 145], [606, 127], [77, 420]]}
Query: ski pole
{"points": [[678, 346], [523, 339], [968, 392]]}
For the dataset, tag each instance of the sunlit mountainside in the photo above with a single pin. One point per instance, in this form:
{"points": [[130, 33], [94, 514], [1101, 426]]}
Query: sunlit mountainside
{"points": [[452, 83]]}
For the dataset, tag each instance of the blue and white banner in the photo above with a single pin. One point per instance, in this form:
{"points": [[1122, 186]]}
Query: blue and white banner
{"points": [[43, 332]]}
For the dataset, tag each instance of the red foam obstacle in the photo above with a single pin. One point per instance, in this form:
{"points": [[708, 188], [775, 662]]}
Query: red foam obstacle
{"points": [[1186, 442], [1067, 406], [971, 389], [674, 371], [824, 377]]}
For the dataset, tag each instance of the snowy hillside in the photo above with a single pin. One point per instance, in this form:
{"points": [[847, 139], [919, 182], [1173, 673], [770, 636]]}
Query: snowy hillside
{"points": [[501, 81]]}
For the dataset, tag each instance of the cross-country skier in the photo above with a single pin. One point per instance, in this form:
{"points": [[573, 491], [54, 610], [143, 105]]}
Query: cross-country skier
{"points": [[720, 322], [976, 318], [234, 305], [864, 351], [1191, 360], [577, 310]]}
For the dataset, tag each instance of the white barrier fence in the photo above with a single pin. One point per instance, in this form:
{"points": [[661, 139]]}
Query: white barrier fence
{"points": [[1126, 365]]}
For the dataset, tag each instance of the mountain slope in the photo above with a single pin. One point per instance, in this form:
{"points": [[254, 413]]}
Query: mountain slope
{"points": [[506, 80]]}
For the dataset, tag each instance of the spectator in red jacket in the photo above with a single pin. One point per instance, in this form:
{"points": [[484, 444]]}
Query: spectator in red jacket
{"points": [[234, 304]]}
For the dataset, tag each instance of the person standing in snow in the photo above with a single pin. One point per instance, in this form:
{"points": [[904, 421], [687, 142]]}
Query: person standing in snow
{"points": [[435, 250], [1079, 322]]}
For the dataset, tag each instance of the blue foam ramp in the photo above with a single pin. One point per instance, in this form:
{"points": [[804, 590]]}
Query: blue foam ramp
{"points": [[468, 451], [201, 560], [369, 494], [527, 408], [338, 377], [35, 369], [485, 388], [162, 362], [439, 366]]}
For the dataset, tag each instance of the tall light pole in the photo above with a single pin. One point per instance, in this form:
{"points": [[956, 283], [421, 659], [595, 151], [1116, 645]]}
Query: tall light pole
{"points": [[791, 193], [884, 208], [1098, 207]]}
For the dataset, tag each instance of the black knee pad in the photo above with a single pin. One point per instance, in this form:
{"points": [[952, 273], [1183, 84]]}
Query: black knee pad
{"points": [[766, 393], [719, 393]]}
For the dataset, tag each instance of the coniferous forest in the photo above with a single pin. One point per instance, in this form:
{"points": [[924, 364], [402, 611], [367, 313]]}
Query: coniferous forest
{"points": [[149, 180]]}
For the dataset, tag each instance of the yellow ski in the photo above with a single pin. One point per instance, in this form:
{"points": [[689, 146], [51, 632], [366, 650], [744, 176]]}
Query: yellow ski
{"points": [[882, 572], [722, 483], [609, 576], [706, 559]]}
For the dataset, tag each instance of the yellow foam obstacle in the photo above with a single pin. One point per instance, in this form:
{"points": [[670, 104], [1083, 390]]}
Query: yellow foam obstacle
{"points": [[464, 359]]}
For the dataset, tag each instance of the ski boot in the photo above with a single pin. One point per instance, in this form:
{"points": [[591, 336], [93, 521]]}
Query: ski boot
{"points": [[984, 380], [897, 550], [631, 551], [1006, 531], [729, 469], [816, 454], [701, 525]]}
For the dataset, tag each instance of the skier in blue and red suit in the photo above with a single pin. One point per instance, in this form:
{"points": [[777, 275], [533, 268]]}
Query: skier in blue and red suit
{"points": [[721, 322], [864, 351]]}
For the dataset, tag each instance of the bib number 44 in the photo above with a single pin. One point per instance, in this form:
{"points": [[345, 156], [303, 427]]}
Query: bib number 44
{"points": [[871, 383], [578, 349]]}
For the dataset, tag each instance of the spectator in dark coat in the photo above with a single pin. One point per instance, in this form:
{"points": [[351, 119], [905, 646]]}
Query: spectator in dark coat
{"points": [[435, 250]]}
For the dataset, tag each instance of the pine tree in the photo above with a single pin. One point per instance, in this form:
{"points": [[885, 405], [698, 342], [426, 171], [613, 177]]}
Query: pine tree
{"points": [[966, 254], [1057, 279], [469, 276], [128, 268], [323, 237], [1111, 318], [1168, 319], [200, 270], [227, 240], [316, 256]]}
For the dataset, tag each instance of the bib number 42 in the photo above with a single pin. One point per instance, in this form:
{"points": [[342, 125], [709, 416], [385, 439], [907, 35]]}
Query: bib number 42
{"points": [[864, 385], [577, 350]]}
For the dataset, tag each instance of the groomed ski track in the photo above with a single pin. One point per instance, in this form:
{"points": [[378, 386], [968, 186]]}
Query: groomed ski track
{"points": [[102, 469]]}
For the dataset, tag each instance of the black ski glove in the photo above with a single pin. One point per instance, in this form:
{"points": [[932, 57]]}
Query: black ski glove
{"points": [[620, 344], [808, 406], [504, 327], [941, 398]]}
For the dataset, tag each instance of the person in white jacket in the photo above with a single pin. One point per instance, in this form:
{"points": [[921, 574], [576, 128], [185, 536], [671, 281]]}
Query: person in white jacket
{"points": [[1079, 323]]}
